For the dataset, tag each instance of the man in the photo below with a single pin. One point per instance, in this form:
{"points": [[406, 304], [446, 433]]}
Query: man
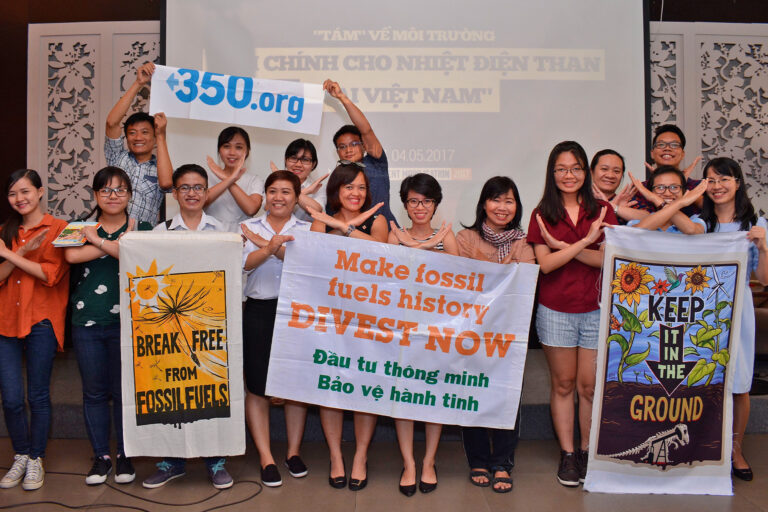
{"points": [[140, 133], [668, 148], [358, 143], [190, 189]]}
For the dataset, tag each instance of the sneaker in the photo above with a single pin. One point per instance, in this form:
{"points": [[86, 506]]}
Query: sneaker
{"points": [[568, 472], [220, 477], [164, 474], [16, 473], [124, 472], [582, 457], [270, 476], [99, 471], [296, 467], [35, 475]]}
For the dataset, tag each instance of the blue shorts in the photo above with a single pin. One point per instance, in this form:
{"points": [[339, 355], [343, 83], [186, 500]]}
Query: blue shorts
{"points": [[567, 330]]}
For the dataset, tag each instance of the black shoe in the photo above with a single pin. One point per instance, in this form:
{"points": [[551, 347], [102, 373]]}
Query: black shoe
{"points": [[425, 487], [124, 472], [742, 474], [582, 457], [338, 482], [406, 490], [99, 471], [359, 485], [270, 476], [568, 472], [296, 467]]}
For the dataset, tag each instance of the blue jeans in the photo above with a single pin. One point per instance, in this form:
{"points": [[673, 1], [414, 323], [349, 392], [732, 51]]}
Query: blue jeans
{"points": [[40, 346], [98, 355]]}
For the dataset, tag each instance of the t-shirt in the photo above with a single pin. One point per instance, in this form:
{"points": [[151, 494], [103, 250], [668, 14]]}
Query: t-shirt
{"points": [[574, 287], [225, 208], [95, 298], [730, 227], [377, 170], [672, 228]]}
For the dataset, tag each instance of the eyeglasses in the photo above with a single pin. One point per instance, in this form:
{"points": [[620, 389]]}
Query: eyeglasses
{"points": [[186, 189], [575, 171], [304, 160], [660, 189], [663, 145], [413, 202], [722, 181], [119, 192], [354, 144], [350, 162]]}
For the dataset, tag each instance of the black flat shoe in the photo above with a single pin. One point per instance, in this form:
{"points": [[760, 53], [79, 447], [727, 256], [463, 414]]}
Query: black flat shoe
{"points": [[359, 485], [742, 474], [425, 487], [338, 482], [406, 490]]}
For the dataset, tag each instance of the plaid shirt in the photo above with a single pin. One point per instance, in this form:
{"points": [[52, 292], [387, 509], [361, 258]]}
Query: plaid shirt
{"points": [[644, 204], [147, 196]]}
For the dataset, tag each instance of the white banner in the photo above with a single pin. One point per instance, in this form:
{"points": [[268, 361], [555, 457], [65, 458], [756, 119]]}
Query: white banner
{"points": [[401, 332], [237, 100], [669, 338], [181, 344]]}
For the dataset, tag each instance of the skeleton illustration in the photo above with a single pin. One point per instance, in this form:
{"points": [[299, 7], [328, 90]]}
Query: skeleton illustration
{"points": [[657, 446]]}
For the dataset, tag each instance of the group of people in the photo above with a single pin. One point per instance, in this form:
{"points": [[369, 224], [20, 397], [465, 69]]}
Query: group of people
{"points": [[564, 234]]}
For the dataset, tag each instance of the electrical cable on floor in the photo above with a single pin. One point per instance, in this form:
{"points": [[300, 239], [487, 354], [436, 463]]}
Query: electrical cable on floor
{"points": [[140, 498]]}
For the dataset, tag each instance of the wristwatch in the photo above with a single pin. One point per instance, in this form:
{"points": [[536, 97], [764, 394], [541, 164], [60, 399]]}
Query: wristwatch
{"points": [[350, 229]]}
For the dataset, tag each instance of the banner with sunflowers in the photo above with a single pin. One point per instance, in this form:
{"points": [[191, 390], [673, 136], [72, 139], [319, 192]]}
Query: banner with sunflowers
{"points": [[181, 343], [670, 322]]}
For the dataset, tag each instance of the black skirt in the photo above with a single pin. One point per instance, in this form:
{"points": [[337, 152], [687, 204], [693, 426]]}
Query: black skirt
{"points": [[258, 324]]}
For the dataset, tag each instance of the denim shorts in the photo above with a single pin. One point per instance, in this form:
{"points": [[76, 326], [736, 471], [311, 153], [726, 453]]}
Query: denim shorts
{"points": [[567, 330]]}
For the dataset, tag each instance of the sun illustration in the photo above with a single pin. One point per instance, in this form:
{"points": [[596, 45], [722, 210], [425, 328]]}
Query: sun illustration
{"points": [[145, 287], [696, 279], [631, 281]]}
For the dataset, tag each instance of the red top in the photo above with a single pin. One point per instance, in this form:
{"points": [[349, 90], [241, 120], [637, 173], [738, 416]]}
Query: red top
{"points": [[26, 300], [574, 287]]}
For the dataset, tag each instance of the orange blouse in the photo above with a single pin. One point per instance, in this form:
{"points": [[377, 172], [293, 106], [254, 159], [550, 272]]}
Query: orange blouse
{"points": [[26, 300]]}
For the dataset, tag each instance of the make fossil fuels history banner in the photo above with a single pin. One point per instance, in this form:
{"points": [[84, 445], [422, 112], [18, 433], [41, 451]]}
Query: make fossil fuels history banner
{"points": [[669, 332], [401, 332], [181, 344]]}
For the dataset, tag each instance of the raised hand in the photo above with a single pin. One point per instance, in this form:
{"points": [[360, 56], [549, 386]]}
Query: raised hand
{"points": [[649, 195], [757, 235], [314, 187], [691, 196], [344, 225], [598, 193], [333, 88], [403, 236], [215, 169], [257, 240], [161, 122], [688, 170], [144, 73], [438, 237], [596, 229], [552, 242], [276, 242], [624, 198], [91, 234], [272, 166]]}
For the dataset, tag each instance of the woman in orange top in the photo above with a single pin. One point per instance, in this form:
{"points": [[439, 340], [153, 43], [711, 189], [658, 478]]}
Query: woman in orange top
{"points": [[34, 286]]}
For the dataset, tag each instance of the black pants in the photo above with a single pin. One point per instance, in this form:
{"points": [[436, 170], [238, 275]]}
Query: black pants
{"points": [[490, 448], [258, 323]]}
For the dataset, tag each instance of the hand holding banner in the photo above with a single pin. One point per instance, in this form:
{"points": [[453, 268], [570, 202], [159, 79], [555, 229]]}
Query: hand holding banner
{"points": [[240, 100]]}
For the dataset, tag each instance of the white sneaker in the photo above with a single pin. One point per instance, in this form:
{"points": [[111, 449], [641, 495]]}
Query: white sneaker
{"points": [[35, 475], [16, 473]]}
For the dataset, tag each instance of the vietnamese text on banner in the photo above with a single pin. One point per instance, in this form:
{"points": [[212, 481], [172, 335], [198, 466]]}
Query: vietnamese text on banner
{"points": [[669, 331], [239, 100], [181, 344], [401, 332]]}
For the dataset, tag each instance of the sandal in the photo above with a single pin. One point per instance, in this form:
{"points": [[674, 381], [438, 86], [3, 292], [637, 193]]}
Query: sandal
{"points": [[501, 480], [476, 473]]}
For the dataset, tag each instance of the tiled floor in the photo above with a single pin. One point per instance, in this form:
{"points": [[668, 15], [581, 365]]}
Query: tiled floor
{"points": [[535, 487]]}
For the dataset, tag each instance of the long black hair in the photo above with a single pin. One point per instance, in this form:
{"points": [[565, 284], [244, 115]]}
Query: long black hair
{"points": [[492, 189], [100, 180], [344, 174], [10, 228], [744, 211], [551, 205]]}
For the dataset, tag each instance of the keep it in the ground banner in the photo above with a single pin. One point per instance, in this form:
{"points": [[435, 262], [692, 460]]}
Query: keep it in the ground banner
{"points": [[401, 332], [670, 322], [181, 345]]}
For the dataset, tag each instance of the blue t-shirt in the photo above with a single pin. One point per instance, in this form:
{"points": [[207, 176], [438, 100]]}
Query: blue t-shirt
{"points": [[730, 227], [672, 228], [377, 170]]}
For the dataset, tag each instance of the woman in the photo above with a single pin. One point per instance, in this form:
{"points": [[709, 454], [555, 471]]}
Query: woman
{"points": [[565, 229], [95, 310], [301, 159], [264, 264], [495, 236], [421, 194], [34, 285], [348, 196], [727, 208], [234, 195], [667, 185]]}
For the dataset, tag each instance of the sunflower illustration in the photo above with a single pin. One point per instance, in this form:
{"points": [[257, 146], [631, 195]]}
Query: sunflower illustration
{"points": [[631, 282], [696, 279]]}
